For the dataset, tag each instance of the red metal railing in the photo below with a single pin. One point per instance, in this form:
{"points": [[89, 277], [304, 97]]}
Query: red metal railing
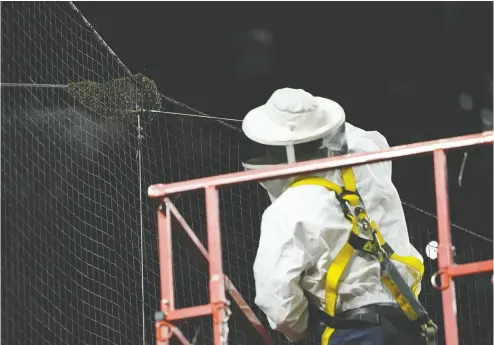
{"points": [[219, 284]]}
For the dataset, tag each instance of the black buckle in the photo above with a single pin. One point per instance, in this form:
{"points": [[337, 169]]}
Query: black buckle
{"points": [[362, 244]]}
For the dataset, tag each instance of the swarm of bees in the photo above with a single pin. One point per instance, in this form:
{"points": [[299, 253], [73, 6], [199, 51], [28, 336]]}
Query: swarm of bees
{"points": [[122, 98]]}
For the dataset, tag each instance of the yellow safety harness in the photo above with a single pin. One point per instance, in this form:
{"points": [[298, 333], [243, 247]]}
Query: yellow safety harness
{"points": [[354, 211]]}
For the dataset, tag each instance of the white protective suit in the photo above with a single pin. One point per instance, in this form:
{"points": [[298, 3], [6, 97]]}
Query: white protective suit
{"points": [[304, 228]]}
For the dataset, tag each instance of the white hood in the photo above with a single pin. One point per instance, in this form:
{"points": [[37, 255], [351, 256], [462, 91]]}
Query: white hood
{"points": [[346, 139]]}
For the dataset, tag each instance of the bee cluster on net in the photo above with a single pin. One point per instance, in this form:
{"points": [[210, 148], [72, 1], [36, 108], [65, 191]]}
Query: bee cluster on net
{"points": [[122, 98]]}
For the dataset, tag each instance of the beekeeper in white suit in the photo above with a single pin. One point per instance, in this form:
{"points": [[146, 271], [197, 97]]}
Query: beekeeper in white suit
{"points": [[305, 229]]}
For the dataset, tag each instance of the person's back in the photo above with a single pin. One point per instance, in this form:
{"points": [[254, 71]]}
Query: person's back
{"points": [[304, 229]]}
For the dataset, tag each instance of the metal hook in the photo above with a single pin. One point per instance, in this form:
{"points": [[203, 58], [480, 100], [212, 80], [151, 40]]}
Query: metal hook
{"points": [[441, 286]]}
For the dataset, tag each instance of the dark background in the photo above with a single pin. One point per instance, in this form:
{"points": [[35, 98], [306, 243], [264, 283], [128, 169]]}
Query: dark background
{"points": [[356, 53], [399, 68]]}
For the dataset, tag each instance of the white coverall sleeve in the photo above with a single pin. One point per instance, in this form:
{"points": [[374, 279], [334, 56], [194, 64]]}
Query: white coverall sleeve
{"points": [[282, 257]]}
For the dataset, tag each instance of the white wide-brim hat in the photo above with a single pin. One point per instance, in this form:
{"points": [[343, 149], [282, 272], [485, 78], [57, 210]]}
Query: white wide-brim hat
{"points": [[292, 116]]}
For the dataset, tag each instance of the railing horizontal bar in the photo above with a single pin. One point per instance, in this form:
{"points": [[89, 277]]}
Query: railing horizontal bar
{"points": [[186, 313], [471, 268], [162, 190]]}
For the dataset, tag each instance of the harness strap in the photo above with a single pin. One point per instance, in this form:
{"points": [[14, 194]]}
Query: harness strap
{"points": [[337, 268], [353, 208], [414, 266], [360, 321]]}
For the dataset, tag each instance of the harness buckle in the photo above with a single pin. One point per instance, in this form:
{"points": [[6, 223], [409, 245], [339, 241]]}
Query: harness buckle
{"points": [[345, 205], [429, 332], [365, 223], [379, 252], [358, 211]]}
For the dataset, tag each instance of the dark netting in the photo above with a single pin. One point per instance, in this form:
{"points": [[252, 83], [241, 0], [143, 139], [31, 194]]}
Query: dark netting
{"points": [[75, 169], [71, 267]]}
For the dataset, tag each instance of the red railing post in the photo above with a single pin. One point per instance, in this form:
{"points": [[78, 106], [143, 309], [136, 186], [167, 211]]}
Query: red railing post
{"points": [[167, 303], [216, 278], [445, 253]]}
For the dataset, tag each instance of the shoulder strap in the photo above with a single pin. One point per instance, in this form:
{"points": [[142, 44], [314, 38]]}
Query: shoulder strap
{"points": [[340, 262]]}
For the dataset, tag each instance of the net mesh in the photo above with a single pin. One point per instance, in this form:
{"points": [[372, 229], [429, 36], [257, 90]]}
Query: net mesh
{"points": [[79, 257], [70, 226]]}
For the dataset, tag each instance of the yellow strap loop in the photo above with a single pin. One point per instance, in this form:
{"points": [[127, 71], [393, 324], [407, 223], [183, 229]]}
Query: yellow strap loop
{"points": [[352, 199], [414, 265]]}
